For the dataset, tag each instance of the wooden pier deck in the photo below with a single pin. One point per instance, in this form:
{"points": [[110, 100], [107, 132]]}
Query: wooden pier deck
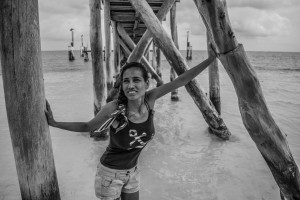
{"points": [[121, 11]]}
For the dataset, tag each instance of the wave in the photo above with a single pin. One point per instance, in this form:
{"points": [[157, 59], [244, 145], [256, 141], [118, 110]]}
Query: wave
{"points": [[277, 69]]}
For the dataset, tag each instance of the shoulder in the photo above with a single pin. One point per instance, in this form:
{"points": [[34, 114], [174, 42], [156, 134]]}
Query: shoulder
{"points": [[109, 108], [150, 99]]}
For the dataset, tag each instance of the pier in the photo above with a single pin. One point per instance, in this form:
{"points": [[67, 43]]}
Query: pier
{"points": [[134, 25]]}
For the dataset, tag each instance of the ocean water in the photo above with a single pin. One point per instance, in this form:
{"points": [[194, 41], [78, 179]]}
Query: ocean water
{"points": [[184, 161]]}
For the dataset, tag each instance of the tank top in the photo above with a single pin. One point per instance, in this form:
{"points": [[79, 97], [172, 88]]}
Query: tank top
{"points": [[126, 145]]}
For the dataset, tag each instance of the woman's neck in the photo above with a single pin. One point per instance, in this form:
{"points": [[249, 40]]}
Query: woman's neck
{"points": [[135, 105]]}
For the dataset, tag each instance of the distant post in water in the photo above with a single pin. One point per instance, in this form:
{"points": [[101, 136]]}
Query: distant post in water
{"points": [[23, 82], [82, 47], [174, 93], [188, 48], [214, 82], [71, 53]]}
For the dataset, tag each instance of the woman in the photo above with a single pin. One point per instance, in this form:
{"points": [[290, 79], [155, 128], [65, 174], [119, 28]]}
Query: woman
{"points": [[130, 123]]}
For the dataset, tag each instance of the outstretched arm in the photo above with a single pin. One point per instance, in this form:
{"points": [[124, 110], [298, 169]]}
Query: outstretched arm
{"points": [[91, 125], [181, 80]]}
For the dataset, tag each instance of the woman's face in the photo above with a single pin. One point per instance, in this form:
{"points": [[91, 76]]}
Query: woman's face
{"points": [[133, 83]]}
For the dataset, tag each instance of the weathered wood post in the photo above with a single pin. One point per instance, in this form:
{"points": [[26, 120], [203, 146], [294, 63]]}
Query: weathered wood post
{"points": [[214, 80], [188, 47], [107, 23], [116, 48], [23, 82], [99, 72], [153, 56], [175, 59], [82, 47], [158, 61], [147, 55], [71, 47], [255, 114], [173, 22]]}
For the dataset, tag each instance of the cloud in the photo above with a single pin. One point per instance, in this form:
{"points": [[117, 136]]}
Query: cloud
{"points": [[257, 23], [58, 17], [66, 7], [263, 4]]}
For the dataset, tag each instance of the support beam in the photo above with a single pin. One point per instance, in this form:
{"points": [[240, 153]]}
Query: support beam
{"points": [[107, 23], [214, 82], [131, 45], [99, 72], [21, 63], [256, 117], [173, 22], [176, 60]]}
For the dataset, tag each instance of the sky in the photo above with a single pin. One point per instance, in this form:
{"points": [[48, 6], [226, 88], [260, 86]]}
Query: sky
{"points": [[260, 25]]}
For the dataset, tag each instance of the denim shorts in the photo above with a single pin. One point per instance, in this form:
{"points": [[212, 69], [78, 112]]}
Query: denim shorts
{"points": [[109, 183]]}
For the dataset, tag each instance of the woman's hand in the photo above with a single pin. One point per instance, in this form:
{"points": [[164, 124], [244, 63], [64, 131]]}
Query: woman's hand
{"points": [[49, 115]]}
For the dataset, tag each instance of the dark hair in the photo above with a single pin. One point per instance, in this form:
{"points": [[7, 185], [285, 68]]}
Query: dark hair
{"points": [[122, 99]]}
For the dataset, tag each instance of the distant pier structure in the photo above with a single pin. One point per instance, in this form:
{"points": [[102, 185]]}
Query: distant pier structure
{"points": [[136, 24], [71, 47]]}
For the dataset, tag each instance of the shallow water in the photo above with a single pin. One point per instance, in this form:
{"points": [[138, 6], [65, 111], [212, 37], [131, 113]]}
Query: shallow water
{"points": [[184, 161]]}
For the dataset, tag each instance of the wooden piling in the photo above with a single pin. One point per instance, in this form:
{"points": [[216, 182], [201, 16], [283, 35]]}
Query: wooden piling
{"points": [[175, 59], [153, 56], [188, 48], [99, 71], [71, 47], [269, 139], [82, 47], [107, 23], [214, 80], [116, 48], [173, 22], [23, 82], [158, 61]]}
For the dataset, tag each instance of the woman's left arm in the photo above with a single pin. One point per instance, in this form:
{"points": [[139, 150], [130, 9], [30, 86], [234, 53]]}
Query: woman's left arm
{"points": [[181, 80]]}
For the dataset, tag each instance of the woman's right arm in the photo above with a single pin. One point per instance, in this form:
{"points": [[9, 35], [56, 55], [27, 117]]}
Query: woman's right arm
{"points": [[91, 125]]}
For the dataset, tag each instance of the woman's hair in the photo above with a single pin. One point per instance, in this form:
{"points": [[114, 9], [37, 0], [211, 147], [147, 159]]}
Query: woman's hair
{"points": [[122, 99]]}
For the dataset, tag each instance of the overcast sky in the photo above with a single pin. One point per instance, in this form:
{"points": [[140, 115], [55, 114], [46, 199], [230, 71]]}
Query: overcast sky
{"points": [[261, 25]]}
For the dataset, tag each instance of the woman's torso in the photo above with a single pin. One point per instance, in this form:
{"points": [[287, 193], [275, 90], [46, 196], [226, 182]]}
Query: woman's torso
{"points": [[126, 145]]}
